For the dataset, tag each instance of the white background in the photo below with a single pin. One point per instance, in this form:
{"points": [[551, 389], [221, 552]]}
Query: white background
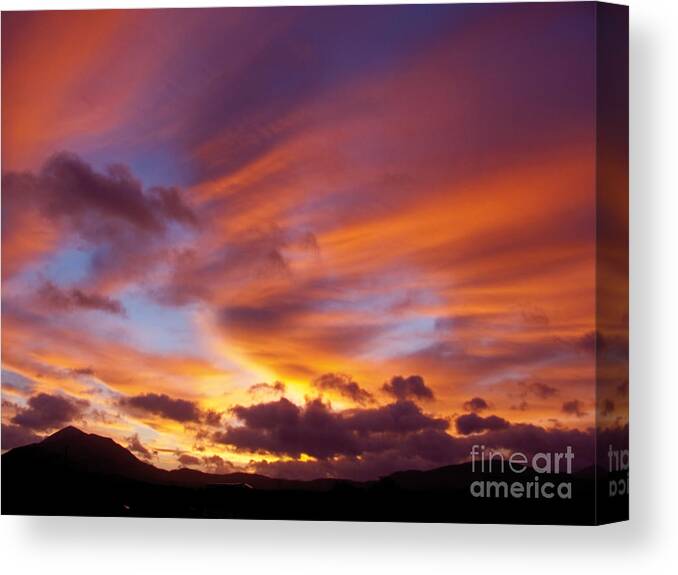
{"points": [[648, 543]]}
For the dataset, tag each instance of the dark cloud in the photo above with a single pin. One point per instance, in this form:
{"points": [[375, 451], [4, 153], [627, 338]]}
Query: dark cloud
{"points": [[212, 418], [473, 423], [283, 428], [47, 411], [344, 385], [70, 299], [268, 415], [366, 442], [108, 213], [170, 205], [406, 387], [72, 189], [135, 446], [573, 407], [164, 406], [475, 404], [428, 449], [531, 439], [403, 416], [16, 436], [187, 460], [420, 450]]}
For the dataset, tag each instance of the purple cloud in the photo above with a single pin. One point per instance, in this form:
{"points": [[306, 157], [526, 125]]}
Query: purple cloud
{"points": [[473, 423], [406, 387], [59, 299], [475, 404], [47, 411], [344, 385], [283, 428], [165, 406]]}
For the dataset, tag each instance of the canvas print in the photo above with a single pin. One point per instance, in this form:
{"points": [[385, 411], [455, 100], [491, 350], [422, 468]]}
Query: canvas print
{"points": [[328, 263]]}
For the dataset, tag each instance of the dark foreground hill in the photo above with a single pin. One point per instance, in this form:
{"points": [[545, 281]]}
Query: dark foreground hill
{"points": [[73, 473]]}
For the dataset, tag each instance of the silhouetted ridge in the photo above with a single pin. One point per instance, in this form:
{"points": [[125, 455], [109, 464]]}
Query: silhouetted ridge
{"points": [[71, 449], [76, 473], [457, 476]]}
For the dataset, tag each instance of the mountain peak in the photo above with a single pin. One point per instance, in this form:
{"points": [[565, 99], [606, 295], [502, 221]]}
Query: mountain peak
{"points": [[73, 449], [67, 433], [72, 438]]}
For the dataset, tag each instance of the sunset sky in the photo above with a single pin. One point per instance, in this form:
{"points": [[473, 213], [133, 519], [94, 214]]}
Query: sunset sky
{"points": [[300, 241]]}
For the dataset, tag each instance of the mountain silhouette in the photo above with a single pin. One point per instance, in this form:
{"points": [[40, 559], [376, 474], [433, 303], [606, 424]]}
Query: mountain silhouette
{"points": [[77, 473], [74, 450]]}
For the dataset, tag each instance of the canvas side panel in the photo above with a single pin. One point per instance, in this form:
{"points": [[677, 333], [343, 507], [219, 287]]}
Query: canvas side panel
{"points": [[612, 265]]}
